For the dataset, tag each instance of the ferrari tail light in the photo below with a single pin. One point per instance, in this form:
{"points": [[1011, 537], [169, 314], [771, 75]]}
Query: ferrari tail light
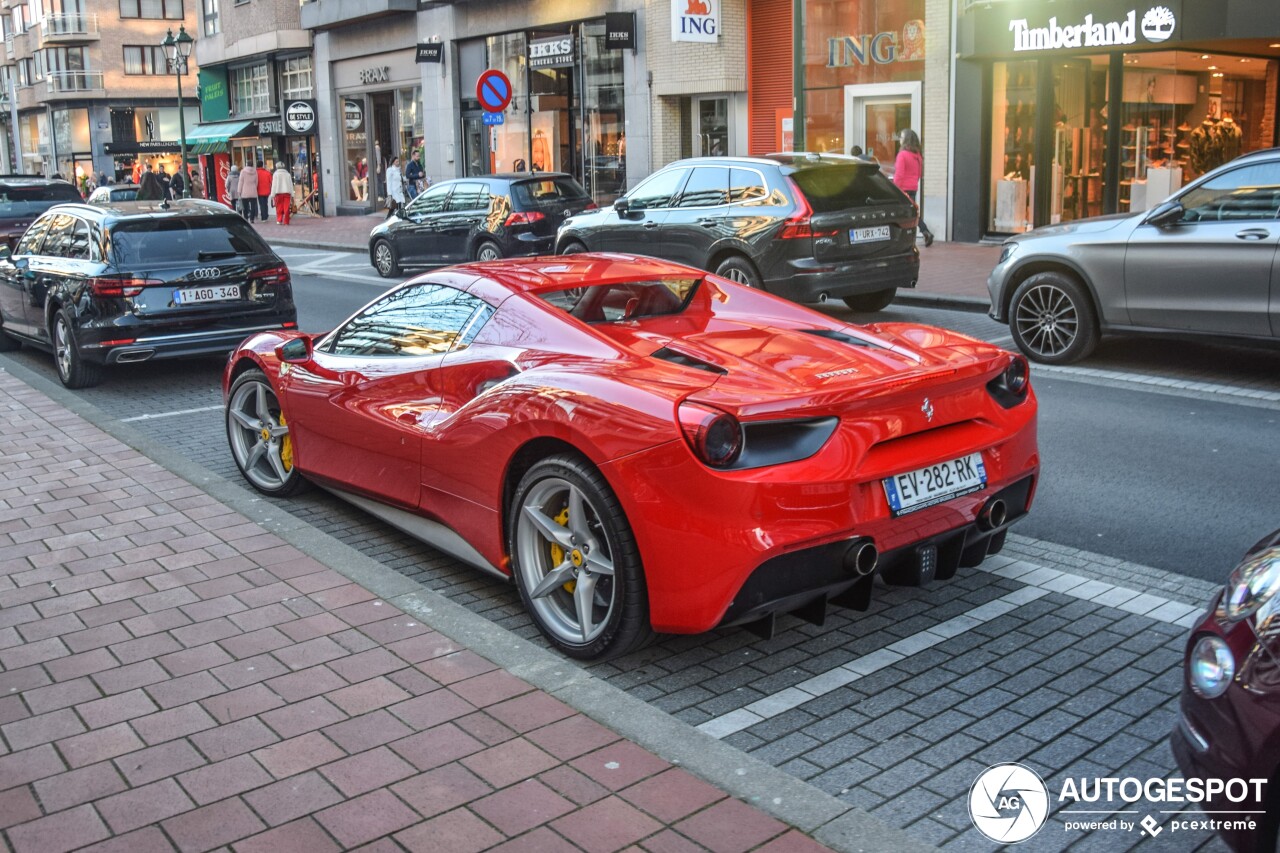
{"points": [[799, 225], [591, 205], [715, 436], [524, 218], [1011, 386], [115, 287]]}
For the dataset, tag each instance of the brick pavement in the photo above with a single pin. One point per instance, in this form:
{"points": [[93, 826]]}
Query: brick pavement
{"points": [[174, 676]]}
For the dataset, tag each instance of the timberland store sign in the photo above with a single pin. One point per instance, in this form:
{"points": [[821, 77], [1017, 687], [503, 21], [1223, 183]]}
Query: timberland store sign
{"points": [[1154, 24]]}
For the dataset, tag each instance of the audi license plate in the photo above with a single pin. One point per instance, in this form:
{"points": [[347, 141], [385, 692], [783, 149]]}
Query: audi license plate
{"points": [[212, 293], [869, 235], [934, 484]]}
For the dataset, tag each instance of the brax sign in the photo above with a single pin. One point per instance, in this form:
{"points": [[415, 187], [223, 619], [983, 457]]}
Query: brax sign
{"points": [[1157, 24], [381, 74]]}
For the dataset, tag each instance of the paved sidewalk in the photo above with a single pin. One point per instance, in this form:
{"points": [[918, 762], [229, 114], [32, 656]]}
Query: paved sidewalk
{"points": [[952, 275], [176, 676]]}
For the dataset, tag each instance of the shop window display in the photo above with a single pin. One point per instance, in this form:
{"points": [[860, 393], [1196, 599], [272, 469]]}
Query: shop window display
{"points": [[1013, 146]]}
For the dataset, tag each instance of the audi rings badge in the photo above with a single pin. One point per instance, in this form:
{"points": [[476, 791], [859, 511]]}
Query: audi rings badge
{"points": [[206, 272]]}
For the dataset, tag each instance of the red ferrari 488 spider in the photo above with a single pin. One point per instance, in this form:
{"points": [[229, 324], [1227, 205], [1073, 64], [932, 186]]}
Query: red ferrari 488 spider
{"points": [[644, 446]]}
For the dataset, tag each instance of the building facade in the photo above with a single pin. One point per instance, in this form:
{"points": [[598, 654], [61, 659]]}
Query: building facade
{"points": [[1078, 108], [88, 89]]}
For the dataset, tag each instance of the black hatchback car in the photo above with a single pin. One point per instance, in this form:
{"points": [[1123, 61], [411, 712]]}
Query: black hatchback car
{"points": [[477, 219], [111, 284], [808, 227], [24, 197]]}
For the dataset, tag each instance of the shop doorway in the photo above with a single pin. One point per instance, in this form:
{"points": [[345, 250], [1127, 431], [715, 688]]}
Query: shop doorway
{"points": [[384, 143], [475, 145], [876, 113], [711, 137]]}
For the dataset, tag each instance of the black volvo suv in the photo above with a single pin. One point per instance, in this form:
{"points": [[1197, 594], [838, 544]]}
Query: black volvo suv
{"points": [[111, 284], [808, 227]]}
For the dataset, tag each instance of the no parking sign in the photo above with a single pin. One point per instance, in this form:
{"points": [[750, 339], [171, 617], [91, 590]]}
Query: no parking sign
{"points": [[493, 90]]}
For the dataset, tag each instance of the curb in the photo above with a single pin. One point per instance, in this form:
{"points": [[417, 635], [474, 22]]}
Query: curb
{"points": [[946, 301], [829, 820]]}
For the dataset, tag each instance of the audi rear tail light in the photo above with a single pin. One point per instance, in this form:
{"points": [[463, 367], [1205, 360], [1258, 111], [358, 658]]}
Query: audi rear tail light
{"points": [[117, 287], [272, 275], [524, 218]]}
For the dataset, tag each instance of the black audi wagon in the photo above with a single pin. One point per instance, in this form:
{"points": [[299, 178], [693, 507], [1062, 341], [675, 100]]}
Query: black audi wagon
{"points": [[481, 218], [134, 281], [807, 227]]}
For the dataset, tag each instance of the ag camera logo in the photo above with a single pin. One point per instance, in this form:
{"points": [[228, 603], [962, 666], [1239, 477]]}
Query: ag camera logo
{"points": [[1008, 803]]}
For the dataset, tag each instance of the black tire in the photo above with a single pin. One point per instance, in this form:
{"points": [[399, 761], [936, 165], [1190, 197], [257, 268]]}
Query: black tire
{"points": [[266, 462], [1052, 319], [541, 501], [385, 259], [877, 300], [573, 247], [487, 250], [740, 270], [73, 369]]}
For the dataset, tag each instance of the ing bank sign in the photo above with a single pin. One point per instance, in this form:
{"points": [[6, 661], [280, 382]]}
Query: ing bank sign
{"points": [[880, 48]]}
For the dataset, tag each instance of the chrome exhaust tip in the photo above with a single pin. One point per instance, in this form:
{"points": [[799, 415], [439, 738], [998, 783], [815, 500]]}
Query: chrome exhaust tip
{"points": [[993, 515], [134, 355], [862, 557]]}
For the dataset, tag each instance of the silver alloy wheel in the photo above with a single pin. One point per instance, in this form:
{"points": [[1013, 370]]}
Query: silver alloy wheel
{"points": [[62, 345], [565, 561], [382, 259], [488, 252], [1047, 320], [258, 435], [738, 276]]}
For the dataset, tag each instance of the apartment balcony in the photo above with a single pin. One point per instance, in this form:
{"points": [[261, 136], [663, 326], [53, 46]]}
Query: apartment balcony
{"points": [[329, 14], [69, 29], [62, 85], [8, 46]]}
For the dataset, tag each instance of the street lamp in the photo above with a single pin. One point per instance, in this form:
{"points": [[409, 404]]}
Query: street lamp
{"points": [[177, 50]]}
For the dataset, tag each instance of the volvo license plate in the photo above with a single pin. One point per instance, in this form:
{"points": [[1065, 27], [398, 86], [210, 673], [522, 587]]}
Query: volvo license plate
{"points": [[869, 235], [934, 484]]}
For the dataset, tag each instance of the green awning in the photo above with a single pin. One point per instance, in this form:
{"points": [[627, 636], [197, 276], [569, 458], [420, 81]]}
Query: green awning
{"points": [[213, 138]]}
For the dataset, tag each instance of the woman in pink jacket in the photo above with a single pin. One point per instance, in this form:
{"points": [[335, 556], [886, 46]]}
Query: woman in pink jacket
{"points": [[906, 175], [248, 187]]}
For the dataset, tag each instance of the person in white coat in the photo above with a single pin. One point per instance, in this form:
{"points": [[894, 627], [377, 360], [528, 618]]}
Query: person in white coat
{"points": [[282, 192], [395, 186]]}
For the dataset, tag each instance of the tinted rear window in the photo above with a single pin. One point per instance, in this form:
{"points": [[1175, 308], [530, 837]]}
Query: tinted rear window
{"points": [[845, 186], [530, 195], [619, 301], [28, 201], [184, 240]]}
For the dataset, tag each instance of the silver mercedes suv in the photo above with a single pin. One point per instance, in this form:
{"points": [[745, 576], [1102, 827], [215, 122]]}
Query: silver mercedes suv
{"points": [[1204, 261]]}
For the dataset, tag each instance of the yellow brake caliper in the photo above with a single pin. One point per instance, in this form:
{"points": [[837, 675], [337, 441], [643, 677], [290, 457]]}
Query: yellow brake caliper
{"points": [[286, 447], [557, 553]]}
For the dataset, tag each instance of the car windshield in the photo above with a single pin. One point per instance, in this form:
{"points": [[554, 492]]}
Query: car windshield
{"points": [[28, 201], [843, 186], [621, 301], [183, 240], [531, 195]]}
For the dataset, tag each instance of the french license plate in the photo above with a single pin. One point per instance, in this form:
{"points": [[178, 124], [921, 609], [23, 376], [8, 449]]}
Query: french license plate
{"points": [[212, 293], [869, 235], [934, 484]]}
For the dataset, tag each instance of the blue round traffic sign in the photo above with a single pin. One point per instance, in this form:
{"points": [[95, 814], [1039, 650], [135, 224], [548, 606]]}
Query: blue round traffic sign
{"points": [[493, 89]]}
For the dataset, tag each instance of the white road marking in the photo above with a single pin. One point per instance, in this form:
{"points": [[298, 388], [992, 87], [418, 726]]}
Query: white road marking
{"points": [[1166, 384], [152, 417], [1040, 581]]}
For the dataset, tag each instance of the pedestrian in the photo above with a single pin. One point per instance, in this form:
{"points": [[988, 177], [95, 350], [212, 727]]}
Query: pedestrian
{"points": [[906, 175], [248, 186], [164, 182], [282, 191], [177, 185], [264, 190], [413, 174], [231, 188], [197, 184], [149, 187], [395, 186]]}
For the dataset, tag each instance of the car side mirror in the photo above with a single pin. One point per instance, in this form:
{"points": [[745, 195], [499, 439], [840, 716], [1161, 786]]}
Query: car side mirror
{"points": [[1165, 214], [296, 351], [23, 266], [621, 206], [4, 252]]}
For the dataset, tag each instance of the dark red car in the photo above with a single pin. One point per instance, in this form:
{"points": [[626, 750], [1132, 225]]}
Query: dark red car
{"points": [[645, 446], [1229, 725]]}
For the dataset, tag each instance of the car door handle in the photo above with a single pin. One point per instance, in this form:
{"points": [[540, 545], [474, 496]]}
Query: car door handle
{"points": [[650, 224], [708, 223], [1253, 234]]}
